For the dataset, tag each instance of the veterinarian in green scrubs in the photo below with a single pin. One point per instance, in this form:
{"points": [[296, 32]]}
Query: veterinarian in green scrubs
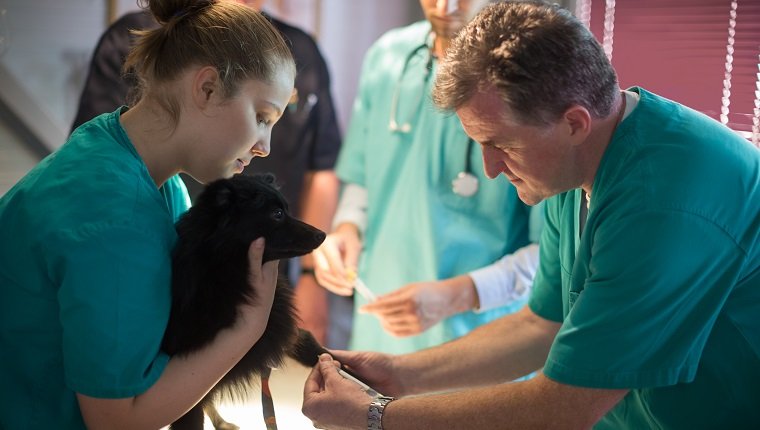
{"points": [[85, 271], [421, 223], [644, 313], [86, 236], [673, 319]]}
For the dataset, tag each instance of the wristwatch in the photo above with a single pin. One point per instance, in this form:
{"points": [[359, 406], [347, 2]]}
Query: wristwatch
{"points": [[375, 412]]}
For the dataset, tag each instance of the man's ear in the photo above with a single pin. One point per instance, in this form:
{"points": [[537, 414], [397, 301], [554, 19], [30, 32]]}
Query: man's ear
{"points": [[206, 86], [577, 120]]}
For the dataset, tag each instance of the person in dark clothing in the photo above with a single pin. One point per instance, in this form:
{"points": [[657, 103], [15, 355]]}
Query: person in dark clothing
{"points": [[305, 143]]}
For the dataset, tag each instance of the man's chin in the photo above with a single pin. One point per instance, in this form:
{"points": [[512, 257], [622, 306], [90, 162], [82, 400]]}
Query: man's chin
{"points": [[530, 198]]}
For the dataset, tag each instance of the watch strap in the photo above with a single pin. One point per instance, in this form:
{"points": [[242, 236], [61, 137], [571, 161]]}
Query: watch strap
{"points": [[375, 412]]}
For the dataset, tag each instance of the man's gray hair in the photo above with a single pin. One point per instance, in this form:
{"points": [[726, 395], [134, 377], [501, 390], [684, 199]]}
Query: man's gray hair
{"points": [[538, 57]]}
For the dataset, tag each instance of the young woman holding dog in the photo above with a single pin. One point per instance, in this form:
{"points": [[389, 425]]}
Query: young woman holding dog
{"points": [[86, 236]]}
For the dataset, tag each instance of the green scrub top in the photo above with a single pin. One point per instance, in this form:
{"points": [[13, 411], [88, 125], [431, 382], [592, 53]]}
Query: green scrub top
{"points": [[661, 292], [85, 268], [418, 228]]}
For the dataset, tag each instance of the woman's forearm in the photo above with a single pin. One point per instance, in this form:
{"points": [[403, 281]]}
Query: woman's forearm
{"points": [[183, 383]]}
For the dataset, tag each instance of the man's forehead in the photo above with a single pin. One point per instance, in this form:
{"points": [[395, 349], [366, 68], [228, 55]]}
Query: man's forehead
{"points": [[485, 110]]}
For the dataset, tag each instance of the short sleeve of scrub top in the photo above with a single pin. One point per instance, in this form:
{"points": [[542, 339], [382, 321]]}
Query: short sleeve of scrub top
{"points": [[114, 301], [113, 305]]}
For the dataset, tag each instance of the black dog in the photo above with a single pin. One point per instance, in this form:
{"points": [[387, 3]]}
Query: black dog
{"points": [[210, 280]]}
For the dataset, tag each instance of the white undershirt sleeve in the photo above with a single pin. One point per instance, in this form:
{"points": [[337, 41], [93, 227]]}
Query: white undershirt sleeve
{"points": [[352, 207], [506, 280]]}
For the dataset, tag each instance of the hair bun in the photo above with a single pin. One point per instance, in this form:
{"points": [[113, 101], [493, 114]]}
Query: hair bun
{"points": [[167, 10]]}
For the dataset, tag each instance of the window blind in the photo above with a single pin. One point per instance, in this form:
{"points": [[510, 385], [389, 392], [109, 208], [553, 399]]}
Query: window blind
{"points": [[702, 53]]}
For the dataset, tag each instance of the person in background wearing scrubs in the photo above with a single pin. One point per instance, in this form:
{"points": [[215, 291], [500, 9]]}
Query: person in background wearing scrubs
{"points": [[86, 236], [417, 213], [414, 214], [307, 143], [644, 310]]}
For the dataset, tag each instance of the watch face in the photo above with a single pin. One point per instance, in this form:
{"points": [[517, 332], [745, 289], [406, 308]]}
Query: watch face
{"points": [[465, 184]]}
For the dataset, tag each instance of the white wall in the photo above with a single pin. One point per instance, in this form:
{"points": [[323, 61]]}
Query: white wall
{"points": [[347, 29], [51, 42]]}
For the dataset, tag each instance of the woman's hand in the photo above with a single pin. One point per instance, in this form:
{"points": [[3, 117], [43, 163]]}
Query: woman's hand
{"points": [[262, 278]]}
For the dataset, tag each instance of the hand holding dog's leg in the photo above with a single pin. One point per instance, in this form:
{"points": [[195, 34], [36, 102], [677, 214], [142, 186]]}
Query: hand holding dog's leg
{"points": [[376, 369], [332, 401]]}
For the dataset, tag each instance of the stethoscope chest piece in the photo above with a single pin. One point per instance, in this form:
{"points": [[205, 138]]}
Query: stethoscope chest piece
{"points": [[465, 184]]}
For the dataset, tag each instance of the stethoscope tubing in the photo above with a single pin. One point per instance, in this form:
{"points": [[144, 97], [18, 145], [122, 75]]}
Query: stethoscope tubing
{"points": [[406, 127]]}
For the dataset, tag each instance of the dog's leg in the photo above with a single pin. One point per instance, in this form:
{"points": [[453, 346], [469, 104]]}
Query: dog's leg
{"points": [[217, 420], [192, 420]]}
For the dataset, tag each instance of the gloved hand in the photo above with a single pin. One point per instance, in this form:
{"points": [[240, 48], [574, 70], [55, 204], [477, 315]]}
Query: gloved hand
{"points": [[416, 307], [336, 259]]}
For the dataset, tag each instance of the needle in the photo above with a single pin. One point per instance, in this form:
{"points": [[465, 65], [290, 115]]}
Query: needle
{"points": [[366, 388], [365, 292], [361, 287]]}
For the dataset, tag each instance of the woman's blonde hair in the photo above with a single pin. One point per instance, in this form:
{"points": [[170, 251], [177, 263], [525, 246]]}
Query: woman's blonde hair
{"points": [[237, 40]]}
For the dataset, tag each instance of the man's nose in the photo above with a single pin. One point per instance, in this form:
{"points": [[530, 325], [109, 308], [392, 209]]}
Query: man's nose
{"points": [[492, 164]]}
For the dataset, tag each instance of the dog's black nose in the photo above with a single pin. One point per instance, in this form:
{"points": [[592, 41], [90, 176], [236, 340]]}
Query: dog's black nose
{"points": [[319, 236]]}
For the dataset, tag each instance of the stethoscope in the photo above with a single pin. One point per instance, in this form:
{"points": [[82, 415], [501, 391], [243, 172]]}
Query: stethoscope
{"points": [[465, 183], [406, 127]]}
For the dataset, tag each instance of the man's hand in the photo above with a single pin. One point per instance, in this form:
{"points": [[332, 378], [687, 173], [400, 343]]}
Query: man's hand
{"points": [[332, 401]]}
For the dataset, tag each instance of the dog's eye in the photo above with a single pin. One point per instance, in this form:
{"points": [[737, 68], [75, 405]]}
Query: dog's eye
{"points": [[278, 215]]}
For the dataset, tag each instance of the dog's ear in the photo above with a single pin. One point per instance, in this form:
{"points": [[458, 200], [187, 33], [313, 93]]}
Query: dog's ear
{"points": [[217, 194], [223, 195], [268, 178]]}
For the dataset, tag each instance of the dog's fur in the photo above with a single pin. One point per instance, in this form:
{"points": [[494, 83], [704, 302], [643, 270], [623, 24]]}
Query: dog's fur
{"points": [[210, 280]]}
